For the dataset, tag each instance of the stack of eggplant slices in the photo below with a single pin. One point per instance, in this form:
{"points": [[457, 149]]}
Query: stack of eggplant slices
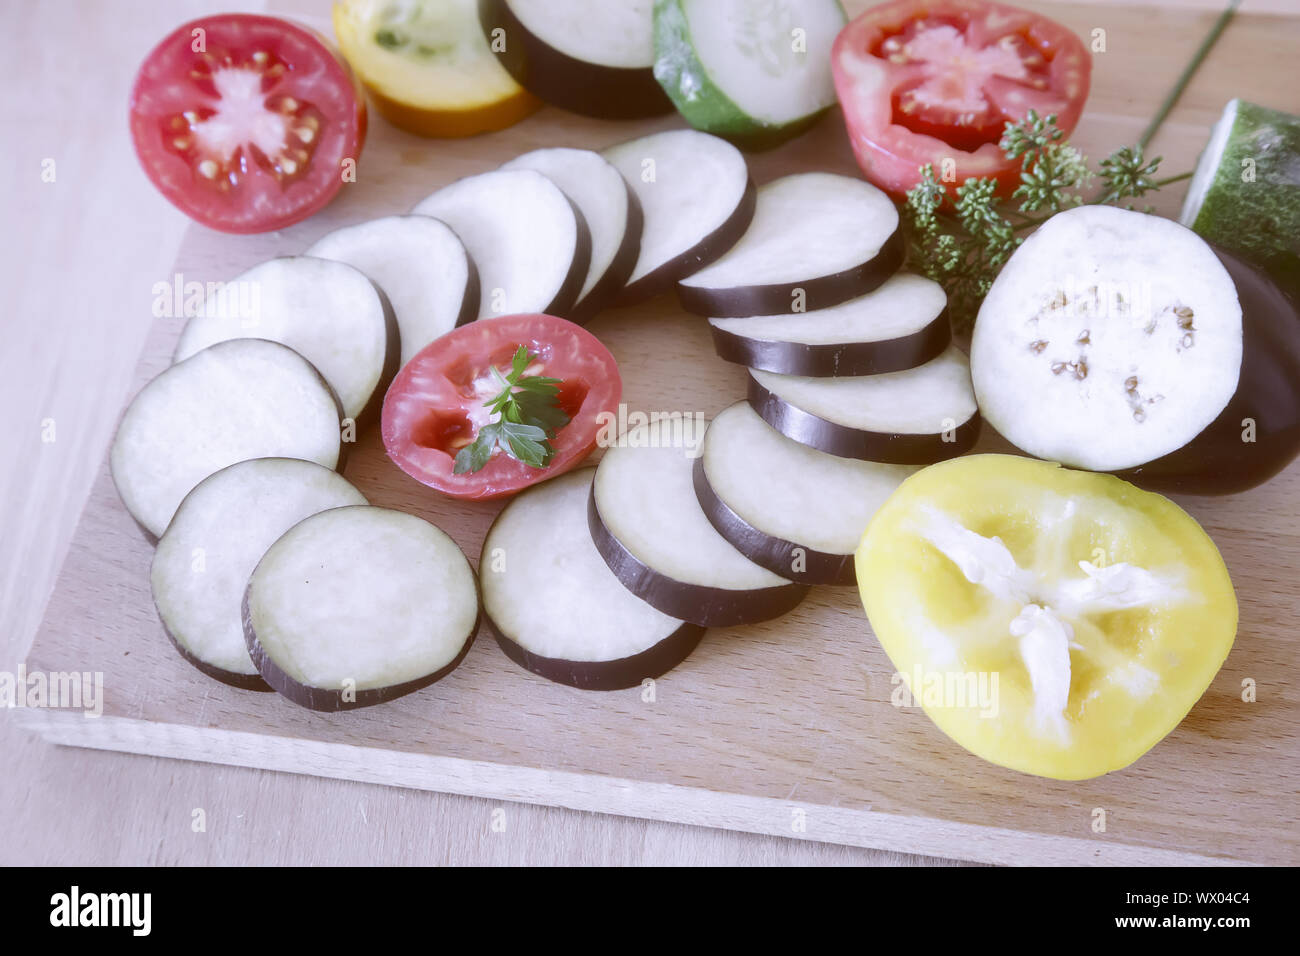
{"points": [[273, 572], [853, 384]]}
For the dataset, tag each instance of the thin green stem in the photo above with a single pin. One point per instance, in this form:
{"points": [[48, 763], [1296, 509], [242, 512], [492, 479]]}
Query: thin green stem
{"points": [[1188, 72], [1028, 222]]}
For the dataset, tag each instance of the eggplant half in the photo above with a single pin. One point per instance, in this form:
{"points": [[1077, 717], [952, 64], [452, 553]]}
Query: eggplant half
{"points": [[1258, 432], [555, 607], [1117, 341]]}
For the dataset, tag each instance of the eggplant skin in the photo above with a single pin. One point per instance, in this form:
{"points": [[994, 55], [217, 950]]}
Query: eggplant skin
{"points": [[765, 550], [329, 699], [392, 362], [693, 603], [821, 292], [620, 674], [589, 89], [610, 286], [470, 303], [567, 297], [1219, 461], [843, 359], [845, 442], [253, 682], [704, 252]]}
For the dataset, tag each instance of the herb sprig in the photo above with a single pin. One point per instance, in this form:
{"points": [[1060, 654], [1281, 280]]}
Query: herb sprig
{"points": [[526, 414], [965, 248]]}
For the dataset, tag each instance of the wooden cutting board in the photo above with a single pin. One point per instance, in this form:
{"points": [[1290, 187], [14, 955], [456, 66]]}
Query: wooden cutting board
{"points": [[784, 728]]}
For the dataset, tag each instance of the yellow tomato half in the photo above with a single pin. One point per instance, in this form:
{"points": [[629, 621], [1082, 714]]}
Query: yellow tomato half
{"points": [[1056, 622], [427, 66]]}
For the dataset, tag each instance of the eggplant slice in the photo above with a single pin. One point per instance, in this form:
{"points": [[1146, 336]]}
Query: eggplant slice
{"points": [[696, 201], [556, 608], [329, 312], [914, 417], [421, 265], [816, 240], [593, 57], [649, 527], [796, 511], [219, 533], [357, 606], [1109, 339], [240, 399], [611, 211], [529, 241], [899, 326]]}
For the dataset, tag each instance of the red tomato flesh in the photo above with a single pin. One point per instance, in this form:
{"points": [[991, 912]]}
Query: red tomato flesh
{"points": [[435, 406], [929, 81], [245, 122]]}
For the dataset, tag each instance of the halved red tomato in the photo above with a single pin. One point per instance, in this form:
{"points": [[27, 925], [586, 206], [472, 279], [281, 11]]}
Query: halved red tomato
{"points": [[436, 405], [246, 123], [924, 81]]}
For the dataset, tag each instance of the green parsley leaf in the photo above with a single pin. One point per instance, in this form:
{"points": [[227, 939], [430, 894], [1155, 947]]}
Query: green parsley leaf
{"points": [[528, 417], [476, 454], [527, 443]]}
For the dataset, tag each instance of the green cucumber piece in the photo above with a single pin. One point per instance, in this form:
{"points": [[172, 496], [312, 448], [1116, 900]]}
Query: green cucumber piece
{"points": [[1245, 193], [756, 72]]}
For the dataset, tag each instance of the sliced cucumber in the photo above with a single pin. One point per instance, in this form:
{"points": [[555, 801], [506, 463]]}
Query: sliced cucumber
{"points": [[757, 72], [1245, 194]]}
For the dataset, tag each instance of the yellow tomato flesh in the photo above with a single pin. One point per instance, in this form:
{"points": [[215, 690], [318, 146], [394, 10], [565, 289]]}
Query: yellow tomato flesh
{"points": [[427, 66], [1149, 619]]}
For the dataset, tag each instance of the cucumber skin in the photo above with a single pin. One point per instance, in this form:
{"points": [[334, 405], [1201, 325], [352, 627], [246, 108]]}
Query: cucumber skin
{"points": [[708, 108], [1260, 220]]}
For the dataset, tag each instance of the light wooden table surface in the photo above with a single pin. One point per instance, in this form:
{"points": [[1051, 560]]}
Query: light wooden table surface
{"points": [[80, 256]]}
